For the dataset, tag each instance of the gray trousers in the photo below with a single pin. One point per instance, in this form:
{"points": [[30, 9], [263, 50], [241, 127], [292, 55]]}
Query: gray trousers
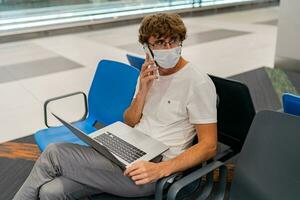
{"points": [[71, 171]]}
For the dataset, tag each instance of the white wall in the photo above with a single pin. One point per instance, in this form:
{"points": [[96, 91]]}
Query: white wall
{"points": [[288, 38]]}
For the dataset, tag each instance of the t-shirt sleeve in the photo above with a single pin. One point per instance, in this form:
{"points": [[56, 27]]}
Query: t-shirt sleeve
{"points": [[202, 103], [137, 87]]}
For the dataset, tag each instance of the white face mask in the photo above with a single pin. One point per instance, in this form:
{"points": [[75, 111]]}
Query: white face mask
{"points": [[167, 58]]}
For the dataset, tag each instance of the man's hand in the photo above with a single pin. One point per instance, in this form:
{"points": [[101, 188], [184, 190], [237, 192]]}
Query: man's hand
{"points": [[147, 75], [143, 172]]}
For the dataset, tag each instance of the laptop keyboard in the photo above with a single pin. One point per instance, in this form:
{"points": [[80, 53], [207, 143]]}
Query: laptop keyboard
{"points": [[120, 147]]}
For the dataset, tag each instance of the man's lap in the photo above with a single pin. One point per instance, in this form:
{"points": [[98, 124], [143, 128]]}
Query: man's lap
{"points": [[86, 166]]}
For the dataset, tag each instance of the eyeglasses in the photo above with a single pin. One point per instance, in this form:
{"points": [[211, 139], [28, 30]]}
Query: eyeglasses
{"points": [[161, 44]]}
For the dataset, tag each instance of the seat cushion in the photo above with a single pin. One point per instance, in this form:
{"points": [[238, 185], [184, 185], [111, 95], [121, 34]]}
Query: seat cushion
{"points": [[61, 134]]}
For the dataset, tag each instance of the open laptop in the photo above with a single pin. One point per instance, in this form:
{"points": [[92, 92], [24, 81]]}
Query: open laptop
{"points": [[120, 143]]}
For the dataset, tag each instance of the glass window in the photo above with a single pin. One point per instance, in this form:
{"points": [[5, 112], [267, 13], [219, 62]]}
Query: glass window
{"points": [[22, 14]]}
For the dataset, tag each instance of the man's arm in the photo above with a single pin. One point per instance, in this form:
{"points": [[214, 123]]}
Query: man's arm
{"points": [[143, 172], [133, 114], [204, 150]]}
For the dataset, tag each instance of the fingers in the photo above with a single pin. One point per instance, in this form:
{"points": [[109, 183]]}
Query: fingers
{"points": [[143, 181], [142, 178], [130, 169], [147, 76], [143, 172], [150, 78], [138, 173], [147, 57], [146, 64], [139, 177], [134, 166], [148, 71]]}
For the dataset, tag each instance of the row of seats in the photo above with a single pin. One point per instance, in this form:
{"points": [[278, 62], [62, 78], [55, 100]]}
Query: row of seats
{"points": [[110, 94]]}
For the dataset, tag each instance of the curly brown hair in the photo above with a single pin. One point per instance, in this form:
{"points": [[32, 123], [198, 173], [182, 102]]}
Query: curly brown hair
{"points": [[162, 25]]}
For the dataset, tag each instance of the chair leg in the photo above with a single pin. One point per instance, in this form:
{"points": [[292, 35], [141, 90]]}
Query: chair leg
{"points": [[190, 191], [205, 192], [221, 187]]}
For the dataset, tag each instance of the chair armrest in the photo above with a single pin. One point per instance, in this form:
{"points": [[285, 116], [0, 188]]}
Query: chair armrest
{"points": [[184, 181], [61, 97], [163, 184]]}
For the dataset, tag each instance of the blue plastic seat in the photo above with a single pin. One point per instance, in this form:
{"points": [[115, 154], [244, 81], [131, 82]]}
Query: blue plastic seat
{"points": [[135, 61], [291, 103], [61, 134], [110, 94]]}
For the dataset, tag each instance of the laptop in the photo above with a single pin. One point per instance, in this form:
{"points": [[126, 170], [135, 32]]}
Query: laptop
{"points": [[120, 143]]}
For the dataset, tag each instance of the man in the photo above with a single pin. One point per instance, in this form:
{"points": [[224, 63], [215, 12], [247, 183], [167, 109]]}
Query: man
{"points": [[173, 108]]}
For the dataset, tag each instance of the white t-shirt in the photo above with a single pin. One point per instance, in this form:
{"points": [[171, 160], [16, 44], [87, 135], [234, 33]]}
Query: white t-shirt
{"points": [[174, 104]]}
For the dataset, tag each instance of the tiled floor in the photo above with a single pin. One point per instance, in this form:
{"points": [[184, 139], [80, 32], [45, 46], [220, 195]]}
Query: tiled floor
{"points": [[38, 68], [34, 70], [272, 22]]}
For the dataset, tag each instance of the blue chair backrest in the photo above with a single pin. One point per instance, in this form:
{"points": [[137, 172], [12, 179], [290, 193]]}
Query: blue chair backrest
{"points": [[111, 91], [135, 61], [291, 103]]}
